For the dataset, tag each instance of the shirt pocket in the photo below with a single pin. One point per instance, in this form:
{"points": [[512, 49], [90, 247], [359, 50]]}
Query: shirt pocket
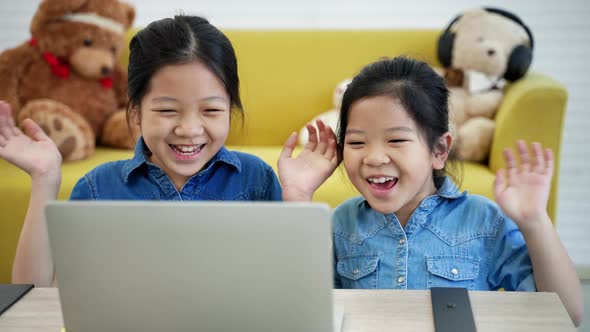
{"points": [[358, 271], [452, 271]]}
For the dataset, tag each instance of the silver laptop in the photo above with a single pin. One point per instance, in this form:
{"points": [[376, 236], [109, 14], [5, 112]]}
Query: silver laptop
{"points": [[193, 266]]}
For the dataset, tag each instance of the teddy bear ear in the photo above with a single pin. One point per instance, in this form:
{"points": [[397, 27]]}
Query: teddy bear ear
{"points": [[51, 9], [130, 11]]}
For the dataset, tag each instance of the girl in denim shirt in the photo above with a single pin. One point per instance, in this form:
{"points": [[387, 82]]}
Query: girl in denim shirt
{"points": [[412, 228], [182, 86]]}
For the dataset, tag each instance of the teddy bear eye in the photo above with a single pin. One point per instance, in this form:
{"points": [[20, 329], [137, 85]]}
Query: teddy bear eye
{"points": [[87, 42], [114, 49], [480, 39]]}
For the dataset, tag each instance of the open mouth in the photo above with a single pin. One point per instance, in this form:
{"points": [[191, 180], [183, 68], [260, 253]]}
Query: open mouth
{"points": [[382, 183], [187, 150]]}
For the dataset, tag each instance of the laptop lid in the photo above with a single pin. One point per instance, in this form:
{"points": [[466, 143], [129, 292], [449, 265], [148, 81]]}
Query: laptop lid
{"points": [[198, 266]]}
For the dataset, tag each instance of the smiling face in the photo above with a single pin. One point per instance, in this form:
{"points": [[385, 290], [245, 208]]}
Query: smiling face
{"points": [[184, 119], [387, 158]]}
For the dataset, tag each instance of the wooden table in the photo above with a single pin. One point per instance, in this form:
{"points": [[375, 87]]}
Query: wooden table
{"points": [[382, 310]]}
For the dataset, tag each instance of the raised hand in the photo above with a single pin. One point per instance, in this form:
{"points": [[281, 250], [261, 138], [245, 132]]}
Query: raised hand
{"points": [[303, 175], [522, 191], [33, 152]]}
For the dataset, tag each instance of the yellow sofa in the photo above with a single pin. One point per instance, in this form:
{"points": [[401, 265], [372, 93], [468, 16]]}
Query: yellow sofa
{"points": [[287, 77]]}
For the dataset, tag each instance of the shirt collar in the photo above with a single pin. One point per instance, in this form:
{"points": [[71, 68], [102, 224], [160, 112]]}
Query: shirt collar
{"points": [[447, 188], [142, 152]]}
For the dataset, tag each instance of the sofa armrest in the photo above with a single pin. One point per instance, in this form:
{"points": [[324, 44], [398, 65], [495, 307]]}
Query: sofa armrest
{"points": [[533, 109]]}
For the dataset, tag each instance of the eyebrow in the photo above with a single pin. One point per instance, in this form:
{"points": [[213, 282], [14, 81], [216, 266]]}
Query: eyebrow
{"points": [[392, 129], [163, 99], [166, 98]]}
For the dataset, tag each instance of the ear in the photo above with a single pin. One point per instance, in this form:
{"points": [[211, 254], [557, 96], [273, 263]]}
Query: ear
{"points": [[442, 148], [130, 11], [50, 10], [135, 116]]}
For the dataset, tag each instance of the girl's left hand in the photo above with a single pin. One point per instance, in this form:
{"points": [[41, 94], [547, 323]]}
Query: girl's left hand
{"points": [[522, 192], [303, 175]]}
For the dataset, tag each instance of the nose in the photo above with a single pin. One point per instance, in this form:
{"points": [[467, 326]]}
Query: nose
{"points": [[189, 127], [376, 157], [104, 70]]}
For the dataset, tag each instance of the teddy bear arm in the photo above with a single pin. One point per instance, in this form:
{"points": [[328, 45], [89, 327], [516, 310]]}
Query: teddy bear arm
{"points": [[120, 133], [475, 139], [120, 85], [484, 104], [13, 63]]}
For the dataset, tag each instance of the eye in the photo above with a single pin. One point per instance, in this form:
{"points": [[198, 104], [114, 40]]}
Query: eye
{"points": [[395, 141], [355, 143], [114, 49], [213, 110], [479, 39], [165, 111], [87, 42]]}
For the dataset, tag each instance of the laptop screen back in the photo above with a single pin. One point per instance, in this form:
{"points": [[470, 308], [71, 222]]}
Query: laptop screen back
{"points": [[200, 266]]}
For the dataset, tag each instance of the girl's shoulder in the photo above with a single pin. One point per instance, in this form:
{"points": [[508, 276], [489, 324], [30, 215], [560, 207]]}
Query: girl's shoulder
{"points": [[351, 205], [111, 174], [352, 211], [475, 203], [108, 169], [466, 216], [250, 162]]}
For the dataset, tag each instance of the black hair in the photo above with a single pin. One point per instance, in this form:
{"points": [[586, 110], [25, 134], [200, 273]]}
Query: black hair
{"points": [[421, 91], [180, 40]]}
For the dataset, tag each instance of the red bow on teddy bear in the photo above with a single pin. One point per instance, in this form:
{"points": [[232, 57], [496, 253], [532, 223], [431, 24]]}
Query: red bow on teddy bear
{"points": [[62, 70]]}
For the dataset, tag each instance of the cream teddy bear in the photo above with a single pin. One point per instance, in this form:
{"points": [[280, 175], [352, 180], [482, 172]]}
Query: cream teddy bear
{"points": [[480, 50], [330, 118]]}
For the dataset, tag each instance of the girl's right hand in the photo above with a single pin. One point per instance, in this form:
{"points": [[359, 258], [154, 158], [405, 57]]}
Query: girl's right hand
{"points": [[34, 153], [301, 176]]}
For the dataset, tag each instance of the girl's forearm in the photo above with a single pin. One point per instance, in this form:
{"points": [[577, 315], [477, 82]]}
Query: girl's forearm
{"points": [[32, 262], [553, 269]]}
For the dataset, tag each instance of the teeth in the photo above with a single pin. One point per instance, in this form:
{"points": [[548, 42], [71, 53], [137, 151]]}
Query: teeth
{"points": [[188, 149], [381, 179]]}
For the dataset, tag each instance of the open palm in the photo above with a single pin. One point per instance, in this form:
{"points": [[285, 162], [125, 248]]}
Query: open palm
{"points": [[522, 191], [305, 173], [33, 152]]}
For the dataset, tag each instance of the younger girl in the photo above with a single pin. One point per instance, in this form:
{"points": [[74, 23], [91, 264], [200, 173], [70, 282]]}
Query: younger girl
{"points": [[412, 228], [183, 84]]}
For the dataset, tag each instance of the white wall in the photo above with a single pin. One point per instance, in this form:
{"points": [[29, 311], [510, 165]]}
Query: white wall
{"points": [[562, 46]]}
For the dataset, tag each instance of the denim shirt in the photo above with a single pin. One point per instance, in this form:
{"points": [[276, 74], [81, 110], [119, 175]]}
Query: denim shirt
{"points": [[452, 239], [229, 175]]}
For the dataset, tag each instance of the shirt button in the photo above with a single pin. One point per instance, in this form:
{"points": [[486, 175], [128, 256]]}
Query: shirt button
{"points": [[454, 271], [400, 279], [356, 271], [402, 241]]}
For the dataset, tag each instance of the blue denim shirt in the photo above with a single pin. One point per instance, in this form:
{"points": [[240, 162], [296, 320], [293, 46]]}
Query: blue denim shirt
{"points": [[452, 239], [229, 175]]}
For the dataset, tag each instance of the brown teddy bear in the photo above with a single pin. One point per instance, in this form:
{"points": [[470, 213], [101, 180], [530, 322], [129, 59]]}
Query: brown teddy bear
{"points": [[67, 77], [480, 50]]}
